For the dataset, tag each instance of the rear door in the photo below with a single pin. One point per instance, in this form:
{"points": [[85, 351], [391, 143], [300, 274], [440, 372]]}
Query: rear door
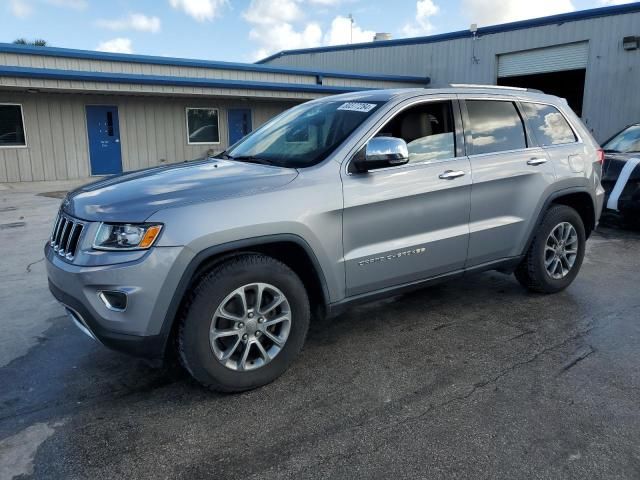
{"points": [[410, 222], [510, 175]]}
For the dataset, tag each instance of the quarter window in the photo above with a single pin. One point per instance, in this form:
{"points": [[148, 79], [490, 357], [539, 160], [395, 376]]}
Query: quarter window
{"points": [[496, 126], [549, 125], [427, 128], [202, 125], [11, 126]]}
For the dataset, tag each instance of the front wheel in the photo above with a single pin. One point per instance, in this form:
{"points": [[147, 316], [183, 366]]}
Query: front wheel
{"points": [[556, 253], [244, 324]]}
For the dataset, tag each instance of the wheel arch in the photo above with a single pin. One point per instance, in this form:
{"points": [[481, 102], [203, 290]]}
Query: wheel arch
{"points": [[290, 249], [577, 198], [582, 203]]}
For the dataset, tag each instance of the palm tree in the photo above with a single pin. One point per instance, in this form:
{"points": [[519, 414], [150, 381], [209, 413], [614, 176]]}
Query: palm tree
{"points": [[35, 43]]}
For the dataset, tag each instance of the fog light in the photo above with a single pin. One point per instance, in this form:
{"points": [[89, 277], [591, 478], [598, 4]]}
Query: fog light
{"points": [[114, 300]]}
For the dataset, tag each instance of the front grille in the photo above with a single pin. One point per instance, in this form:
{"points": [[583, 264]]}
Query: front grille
{"points": [[65, 237]]}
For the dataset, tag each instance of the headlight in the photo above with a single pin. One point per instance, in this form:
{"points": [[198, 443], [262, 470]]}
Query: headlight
{"points": [[125, 236]]}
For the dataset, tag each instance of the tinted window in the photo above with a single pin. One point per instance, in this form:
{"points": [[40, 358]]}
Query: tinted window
{"points": [[495, 126], [628, 140], [11, 127], [428, 130], [304, 135], [549, 125], [203, 125]]}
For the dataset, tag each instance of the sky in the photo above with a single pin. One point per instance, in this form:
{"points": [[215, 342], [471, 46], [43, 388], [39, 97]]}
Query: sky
{"points": [[247, 30]]}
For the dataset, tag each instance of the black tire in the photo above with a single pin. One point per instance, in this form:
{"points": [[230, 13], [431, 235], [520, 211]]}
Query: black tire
{"points": [[531, 272], [194, 347]]}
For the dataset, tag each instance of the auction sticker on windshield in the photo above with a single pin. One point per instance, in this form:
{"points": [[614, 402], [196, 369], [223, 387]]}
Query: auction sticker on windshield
{"points": [[357, 107]]}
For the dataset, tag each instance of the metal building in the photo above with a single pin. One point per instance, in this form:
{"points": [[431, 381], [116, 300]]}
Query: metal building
{"points": [[71, 114], [590, 57]]}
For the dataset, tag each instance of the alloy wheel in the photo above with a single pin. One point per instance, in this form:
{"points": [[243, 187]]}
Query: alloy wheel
{"points": [[561, 250], [250, 327]]}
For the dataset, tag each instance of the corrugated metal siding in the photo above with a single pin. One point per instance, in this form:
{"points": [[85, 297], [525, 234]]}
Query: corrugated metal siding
{"points": [[41, 61], [152, 132], [542, 60], [83, 65], [611, 100], [102, 87]]}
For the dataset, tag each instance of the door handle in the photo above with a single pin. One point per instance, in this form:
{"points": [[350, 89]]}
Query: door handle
{"points": [[451, 174], [536, 161]]}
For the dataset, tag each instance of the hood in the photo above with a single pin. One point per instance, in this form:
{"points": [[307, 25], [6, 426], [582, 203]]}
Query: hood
{"points": [[135, 196]]}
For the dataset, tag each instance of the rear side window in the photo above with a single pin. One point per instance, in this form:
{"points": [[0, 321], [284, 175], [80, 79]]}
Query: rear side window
{"points": [[549, 125], [496, 126]]}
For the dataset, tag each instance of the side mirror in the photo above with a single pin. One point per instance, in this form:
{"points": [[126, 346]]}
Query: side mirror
{"points": [[381, 152]]}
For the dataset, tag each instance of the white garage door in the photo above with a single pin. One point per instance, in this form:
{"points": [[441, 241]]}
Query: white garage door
{"points": [[571, 56]]}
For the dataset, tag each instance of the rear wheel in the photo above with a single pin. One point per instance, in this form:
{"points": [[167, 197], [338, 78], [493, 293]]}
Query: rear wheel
{"points": [[556, 253], [244, 324]]}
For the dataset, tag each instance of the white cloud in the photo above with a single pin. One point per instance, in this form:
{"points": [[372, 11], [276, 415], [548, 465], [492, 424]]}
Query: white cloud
{"points": [[273, 27], [492, 12], [201, 10], [270, 12], [283, 36], [20, 8], [284, 25], [135, 21], [425, 9], [340, 32], [74, 4], [116, 45]]}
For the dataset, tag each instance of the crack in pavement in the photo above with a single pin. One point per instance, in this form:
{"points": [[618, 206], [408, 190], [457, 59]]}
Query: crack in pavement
{"points": [[583, 354], [520, 335], [32, 264], [363, 419]]}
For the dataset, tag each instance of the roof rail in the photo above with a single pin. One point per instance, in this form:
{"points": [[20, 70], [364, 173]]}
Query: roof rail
{"points": [[497, 87]]}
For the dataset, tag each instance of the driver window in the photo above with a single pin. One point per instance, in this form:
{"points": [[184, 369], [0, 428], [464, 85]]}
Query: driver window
{"points": [[427, 128]]}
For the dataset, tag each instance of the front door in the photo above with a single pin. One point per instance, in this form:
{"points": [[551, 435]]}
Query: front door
{"points": [[104, 139], [410, 222], [239, 123]]}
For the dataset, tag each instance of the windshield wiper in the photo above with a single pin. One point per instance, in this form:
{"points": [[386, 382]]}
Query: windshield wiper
{"points": [[250, 159], [610, 150]]}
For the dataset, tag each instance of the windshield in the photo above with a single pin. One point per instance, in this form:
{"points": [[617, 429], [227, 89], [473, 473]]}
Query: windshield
{"points": [[303, 135], [628, 140]]}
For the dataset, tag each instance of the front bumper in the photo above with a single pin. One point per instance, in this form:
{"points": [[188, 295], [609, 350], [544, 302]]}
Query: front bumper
{"points": [[138, 330]]}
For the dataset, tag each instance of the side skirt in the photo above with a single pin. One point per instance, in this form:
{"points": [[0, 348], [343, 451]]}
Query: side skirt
{"points": [[505, 265]]}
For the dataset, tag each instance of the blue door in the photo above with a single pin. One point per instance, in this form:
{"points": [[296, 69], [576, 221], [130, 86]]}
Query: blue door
{"points": [[239, 123], [104, 140]]}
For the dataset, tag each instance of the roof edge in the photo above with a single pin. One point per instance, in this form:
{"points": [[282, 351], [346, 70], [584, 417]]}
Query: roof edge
{"points": [[138, 79], [186, 62], [488, 30]]}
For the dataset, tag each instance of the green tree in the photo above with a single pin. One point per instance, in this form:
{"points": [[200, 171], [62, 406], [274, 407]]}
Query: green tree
{"points": [[36, 43]]}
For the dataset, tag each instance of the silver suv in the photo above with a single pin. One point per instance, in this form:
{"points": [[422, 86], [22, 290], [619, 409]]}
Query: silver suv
{"points": [[336, 201]]}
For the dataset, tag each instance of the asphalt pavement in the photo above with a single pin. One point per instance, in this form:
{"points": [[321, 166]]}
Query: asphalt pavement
{"points": [[477, 378]]}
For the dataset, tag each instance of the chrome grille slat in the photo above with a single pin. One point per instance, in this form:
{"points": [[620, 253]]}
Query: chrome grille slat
{"points": [[66, 234], [63, 238], [56, 238]]}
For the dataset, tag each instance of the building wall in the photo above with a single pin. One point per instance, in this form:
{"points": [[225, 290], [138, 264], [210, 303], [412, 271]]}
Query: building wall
{"points": [[611, 98], [152, 132], [58, 62]]}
